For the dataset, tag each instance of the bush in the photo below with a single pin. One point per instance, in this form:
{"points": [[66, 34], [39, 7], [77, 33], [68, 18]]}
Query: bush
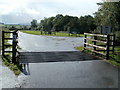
{"points": [[117, 39]]}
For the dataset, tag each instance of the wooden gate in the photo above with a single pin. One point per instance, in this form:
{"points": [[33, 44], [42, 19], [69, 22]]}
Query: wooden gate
{"points": [[100, 44], [13, 45]]}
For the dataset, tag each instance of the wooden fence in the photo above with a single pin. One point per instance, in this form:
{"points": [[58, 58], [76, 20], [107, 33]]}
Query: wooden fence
{"points": [[13, 45], [100, 44]]}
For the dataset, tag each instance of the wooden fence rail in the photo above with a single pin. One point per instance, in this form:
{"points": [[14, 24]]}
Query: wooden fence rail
{"points": [[14, 44], [96, 44]]}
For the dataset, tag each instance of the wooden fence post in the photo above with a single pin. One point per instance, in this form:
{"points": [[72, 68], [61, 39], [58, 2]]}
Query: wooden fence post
{"points": [[85, 41], [14, 47], [113, 43], [107, 47], [95, 38], [3, 35]]}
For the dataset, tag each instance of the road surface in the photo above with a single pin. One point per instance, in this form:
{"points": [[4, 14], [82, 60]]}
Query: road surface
{"points": [[74, 74]]}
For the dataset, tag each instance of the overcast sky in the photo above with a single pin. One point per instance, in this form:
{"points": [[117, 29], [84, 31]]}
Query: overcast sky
{"points": [[23, 11]]}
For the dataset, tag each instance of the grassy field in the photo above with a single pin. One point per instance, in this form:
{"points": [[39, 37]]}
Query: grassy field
{"points": [[57, 33]]}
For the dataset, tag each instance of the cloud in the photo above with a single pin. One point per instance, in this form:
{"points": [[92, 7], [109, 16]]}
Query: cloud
{"points": [[26, 10]]}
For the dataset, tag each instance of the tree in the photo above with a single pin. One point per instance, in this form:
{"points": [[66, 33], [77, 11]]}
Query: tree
{"points": [[58, 22], [68, 23], [34, 24], [12, 27], [73, 25], [87, 23], [108, 14]]}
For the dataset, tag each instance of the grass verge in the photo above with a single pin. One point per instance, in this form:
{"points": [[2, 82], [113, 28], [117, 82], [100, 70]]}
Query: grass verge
{"points": [[79, 48], [57, 33], [7, 60], [7, 35], [114, 57], [15, 68]]}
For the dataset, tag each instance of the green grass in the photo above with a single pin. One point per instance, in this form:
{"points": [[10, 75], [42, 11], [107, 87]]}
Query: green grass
{"points": [[7, 35], [79, 48], [114, 57], [0, 38], [114, 63], [15, 68], [32, 32], [7, 60], [57, 33], [19, 48], [5, 47]]}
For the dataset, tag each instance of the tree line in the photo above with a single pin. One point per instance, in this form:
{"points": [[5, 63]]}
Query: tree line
{"points": [[65, 23], [108, 14]]}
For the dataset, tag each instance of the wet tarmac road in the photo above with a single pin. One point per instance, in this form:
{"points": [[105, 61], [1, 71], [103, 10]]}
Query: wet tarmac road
{"points": [[86, 74], [77, 74], [38, 43]]}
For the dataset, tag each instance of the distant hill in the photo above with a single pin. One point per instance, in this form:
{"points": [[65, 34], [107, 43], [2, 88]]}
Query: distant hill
{"points": [[1, 23], [24, 24], [20, 24]]}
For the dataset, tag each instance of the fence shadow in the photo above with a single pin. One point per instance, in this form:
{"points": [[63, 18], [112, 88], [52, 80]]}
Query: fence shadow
{"points": [[25, 69]]}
